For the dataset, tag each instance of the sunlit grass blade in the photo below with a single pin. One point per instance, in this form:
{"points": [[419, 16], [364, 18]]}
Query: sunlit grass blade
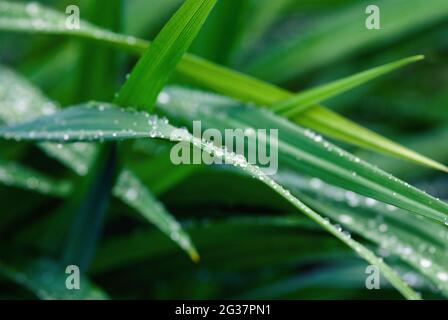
{"points": [[17, 175], [14, 17], [308, 98], [47, 281], [159, 61]]}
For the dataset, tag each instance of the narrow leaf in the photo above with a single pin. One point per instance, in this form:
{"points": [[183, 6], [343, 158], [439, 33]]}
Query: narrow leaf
{"points": [[161, 129], [47, 280], [302, 150], [14, 174], [14, 17], [308, 98], [159, 61], [133, 193], [20, 101]]}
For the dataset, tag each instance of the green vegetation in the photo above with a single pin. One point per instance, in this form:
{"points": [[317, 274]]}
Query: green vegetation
{"points": [[89, 115]]}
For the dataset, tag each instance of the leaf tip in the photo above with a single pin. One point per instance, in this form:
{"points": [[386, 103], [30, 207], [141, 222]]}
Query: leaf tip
{"points": [[194, 255]]}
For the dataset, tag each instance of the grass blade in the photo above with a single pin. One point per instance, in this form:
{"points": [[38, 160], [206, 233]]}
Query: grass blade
{"points": [[161, 129], [159, 61], [308, 98], [316, 156], [303, 150], [419, 242], [135, 194], [29, 103], [14, 17], [14, 174], [46, 279]]}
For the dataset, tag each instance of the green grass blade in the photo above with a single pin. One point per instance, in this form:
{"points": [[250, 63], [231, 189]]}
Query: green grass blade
{"points": [[29, 103], [76, 127], [418, 242], [136, 195], [14, 174], [90, 203], [14, 17], [46, 280], [332, 124], [91, 199], [308, 98], [98, 64], [316, 156], [159, 61], [303, 150]]}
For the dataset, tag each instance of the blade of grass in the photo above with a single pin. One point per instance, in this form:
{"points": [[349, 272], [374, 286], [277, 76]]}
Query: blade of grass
{"points": [[137, 196], [28, 103], [46, 280], [91, 199], [302, 150], [160, 60], [161, 129], [13, 17], [341, 35], [14, 174], [308, 98], [418, 242]]}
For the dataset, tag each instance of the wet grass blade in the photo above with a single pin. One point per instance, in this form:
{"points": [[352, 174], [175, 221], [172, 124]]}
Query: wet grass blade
{"points": [[159, 128], [29, 103], [418, 242], [14, 17], [46, 280], [302, 150], [91, 199], [17, 175], [137, 196]]}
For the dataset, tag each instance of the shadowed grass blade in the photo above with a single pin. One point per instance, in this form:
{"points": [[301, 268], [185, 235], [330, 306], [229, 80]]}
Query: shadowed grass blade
{"points": [[47, 281], [14, 174]]}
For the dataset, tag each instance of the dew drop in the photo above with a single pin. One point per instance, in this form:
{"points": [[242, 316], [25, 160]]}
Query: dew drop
{"points": [[383, 227], [131, 194], [425, 263], [345, 219], [443, 276], [163, 98], [32, 8]]}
